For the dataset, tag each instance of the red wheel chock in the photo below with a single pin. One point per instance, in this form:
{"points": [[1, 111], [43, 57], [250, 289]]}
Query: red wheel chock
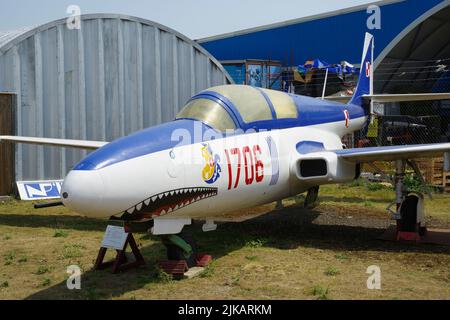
{"points": [[178, 269]]}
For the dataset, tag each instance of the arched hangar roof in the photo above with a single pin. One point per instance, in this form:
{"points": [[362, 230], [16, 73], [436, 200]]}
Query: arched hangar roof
{"points": [[333, 36], [115, 75], [419, 57]]}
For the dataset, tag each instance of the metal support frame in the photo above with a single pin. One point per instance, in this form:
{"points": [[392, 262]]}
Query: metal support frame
{"points": [[383, 174], [400, 168], [325, 85]]}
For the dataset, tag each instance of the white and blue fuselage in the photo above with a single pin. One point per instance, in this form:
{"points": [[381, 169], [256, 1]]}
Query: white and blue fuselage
{"points": [[187, 169], [231, 148]]}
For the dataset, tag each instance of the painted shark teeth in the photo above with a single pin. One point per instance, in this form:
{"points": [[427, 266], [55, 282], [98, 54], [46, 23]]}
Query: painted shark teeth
{"points": [[168, 202]]}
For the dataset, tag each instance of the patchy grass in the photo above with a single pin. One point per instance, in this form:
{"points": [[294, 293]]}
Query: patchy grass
{"points": [[340, 256], [251, 258], [255, 243], [321, 293], [42, 270], [72, 251], [332, 271], [9, 257], [45, 283], [288, 254], [163, 277], [60, 234], [209, 270]]}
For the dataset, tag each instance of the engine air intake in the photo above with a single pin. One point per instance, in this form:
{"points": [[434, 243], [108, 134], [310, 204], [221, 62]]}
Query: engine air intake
{"points": [[313, 168]]}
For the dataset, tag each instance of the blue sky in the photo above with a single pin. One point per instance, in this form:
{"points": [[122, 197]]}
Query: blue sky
{"points": [[194, 18]]}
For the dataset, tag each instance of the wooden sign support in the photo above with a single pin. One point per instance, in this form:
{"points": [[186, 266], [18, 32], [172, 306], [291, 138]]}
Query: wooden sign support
{"points": [[120, 263]]}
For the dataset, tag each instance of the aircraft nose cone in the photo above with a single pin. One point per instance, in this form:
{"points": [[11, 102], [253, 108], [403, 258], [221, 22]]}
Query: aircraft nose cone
{"points": [[83, 192]]}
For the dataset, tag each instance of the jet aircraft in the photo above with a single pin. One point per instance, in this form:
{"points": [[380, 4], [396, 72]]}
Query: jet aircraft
{"points": [[230, 148]]}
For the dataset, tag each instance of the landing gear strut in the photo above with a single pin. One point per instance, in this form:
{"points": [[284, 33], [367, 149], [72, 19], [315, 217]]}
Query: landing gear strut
{"points": [[181, 247], [311, 198]]}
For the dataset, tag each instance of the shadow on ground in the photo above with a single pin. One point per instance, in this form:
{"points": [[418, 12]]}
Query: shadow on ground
{"points": [[354, 200], [53, 221], [290, 228]]}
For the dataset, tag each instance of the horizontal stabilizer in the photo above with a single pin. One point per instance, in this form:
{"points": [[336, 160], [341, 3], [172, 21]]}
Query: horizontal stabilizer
{"points": [[80, 144]]}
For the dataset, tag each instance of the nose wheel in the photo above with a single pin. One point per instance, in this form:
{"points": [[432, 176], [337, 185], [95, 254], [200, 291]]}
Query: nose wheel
{"points": [[181, 247]]}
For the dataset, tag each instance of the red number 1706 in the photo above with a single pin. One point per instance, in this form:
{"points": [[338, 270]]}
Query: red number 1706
{"points": [[253, 166]]}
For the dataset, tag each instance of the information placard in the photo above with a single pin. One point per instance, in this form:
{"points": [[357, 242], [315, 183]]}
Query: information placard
{"points": [[114, 238]]}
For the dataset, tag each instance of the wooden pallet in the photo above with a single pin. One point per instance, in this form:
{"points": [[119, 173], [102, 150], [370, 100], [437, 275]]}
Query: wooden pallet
{"points": [[446, 182], [434, 174]]}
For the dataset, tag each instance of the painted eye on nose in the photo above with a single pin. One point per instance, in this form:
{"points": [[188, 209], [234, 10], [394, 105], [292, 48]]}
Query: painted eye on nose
{"points": [[65, 195]]}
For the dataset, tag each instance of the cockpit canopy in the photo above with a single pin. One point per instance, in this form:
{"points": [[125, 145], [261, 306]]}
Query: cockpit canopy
{"points": [[235, 106]]}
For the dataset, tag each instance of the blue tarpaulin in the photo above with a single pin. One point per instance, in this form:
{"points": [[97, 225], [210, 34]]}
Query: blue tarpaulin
{"points": [[344, 68]]}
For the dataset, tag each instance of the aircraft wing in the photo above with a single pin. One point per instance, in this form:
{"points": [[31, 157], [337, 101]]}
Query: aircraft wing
{"points": [[381, 98], [393, 153], [80, 144]]}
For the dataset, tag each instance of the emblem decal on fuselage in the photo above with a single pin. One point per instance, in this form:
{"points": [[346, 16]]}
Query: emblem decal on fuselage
{"points": [[212, 170]]}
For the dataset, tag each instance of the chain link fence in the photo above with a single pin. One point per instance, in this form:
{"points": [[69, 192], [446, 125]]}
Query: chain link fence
{"points": [[397, 123]]}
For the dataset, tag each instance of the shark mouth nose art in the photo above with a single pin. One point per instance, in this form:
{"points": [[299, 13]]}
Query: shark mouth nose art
{"points": [[167, 202]]}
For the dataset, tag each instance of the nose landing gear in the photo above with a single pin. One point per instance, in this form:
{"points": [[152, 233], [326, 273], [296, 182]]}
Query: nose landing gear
{"points": [[183, 258], [181, 247], [311, 198]]}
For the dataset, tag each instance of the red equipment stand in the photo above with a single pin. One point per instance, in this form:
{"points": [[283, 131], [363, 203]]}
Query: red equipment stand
{"points": [[432, 236], [408, 236], [120, 263]]}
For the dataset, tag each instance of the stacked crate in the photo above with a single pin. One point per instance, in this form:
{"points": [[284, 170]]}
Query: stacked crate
{"points": [[434, 174]]}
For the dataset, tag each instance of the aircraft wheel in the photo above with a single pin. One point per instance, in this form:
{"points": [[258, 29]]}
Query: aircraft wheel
{"points": [[409, 214], [175, 252]]}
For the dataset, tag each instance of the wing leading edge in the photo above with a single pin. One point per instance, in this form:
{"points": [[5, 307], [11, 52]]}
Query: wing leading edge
{"points": [[383, 98], [79, 144], [394, 152]]}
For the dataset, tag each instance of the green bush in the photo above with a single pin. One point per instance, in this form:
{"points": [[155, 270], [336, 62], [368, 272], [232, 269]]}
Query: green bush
{"points": [[413, 184]]}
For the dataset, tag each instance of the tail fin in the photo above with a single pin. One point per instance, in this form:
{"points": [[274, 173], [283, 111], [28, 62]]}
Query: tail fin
{"points": [[365, 81]]}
